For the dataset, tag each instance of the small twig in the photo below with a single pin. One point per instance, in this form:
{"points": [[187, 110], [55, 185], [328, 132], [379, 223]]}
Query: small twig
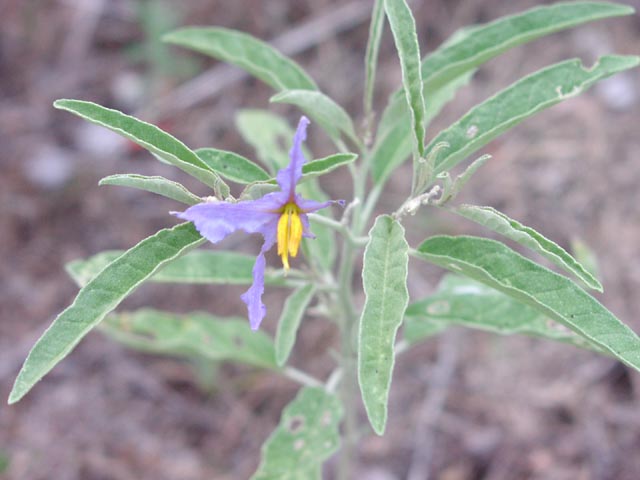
{"points": [[334, 380], [339, 227], [435, 397]]}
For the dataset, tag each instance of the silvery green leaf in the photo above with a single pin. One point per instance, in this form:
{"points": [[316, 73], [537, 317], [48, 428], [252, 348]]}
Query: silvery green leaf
{"points": [[99, 297], [150, 137], [159, 185], [245, 51], [290, 319], [528, 237], [232, 166], [384, 277], [194, 334], [306, 436], [497, 266]]}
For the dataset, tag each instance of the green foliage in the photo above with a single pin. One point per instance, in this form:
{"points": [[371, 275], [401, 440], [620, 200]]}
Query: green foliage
{"points": [[255, 56], [191, 335], [198, 267], [555, 296], [384, 278], [371, 55], [148, 136], [99, 297], [290, 320], [520, 101], [158, 185], [465, 302], [306, 436], [484, 42], [528, 237], [232, 166], [403, 27], [322, 109]]}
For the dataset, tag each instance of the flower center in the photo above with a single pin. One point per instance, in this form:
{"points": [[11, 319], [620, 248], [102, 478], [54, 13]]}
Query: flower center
{"points": [[289, 233]]}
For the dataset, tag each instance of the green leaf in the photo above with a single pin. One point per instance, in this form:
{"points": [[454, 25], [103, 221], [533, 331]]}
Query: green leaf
{"points": [[513, 230], [472, 46], [557, 297], [322, 109], [148, 136], [191, 335], [384, 277], [101, 295], [484, 42], [521, 100], [159, 185], [403, 27], [198, 267], [393, 145], [371, 55], [269, 134], [232, 166], [242, 50], [292, 314], [306, 436], [322, 166], [461, 301]]}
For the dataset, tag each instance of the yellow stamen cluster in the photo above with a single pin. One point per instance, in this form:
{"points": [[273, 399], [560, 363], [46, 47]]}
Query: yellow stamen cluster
{"points": [[289, 233]]}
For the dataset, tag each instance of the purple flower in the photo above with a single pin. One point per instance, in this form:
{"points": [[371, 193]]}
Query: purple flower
{"points": [[280, 217]]}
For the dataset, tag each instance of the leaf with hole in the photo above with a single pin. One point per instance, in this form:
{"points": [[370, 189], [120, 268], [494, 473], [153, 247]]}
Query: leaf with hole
{"points": [[465, 302], [521, 100], [306, 436]]}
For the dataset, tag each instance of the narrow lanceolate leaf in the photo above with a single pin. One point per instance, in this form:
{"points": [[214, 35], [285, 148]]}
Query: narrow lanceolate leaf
{"points": [[521, 100], [232, 166], [371, 55], [198, 267], [158, 185], [322, 166], [252, 55], [100, 296], [292, 315], [322, 109], [306, 436], [465, 302], [514, 230], [384, 278], [484, 42], [555, 296], [403, 27], [148, 136], [191, 335], [393, 145]]}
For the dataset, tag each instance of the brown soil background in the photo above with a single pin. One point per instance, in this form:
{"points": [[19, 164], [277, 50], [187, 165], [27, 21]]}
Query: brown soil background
{"points": [[471, 406]]}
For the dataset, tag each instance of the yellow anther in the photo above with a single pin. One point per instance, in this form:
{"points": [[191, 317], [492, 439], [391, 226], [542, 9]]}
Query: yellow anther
{"points": [[289, 233]]}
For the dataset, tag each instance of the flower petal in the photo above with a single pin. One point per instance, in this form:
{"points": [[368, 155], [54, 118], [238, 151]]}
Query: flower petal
{"points": [[253, 296], [290, 175], [216, 220]]}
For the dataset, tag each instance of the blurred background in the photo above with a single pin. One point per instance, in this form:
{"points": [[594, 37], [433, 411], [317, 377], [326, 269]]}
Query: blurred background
{"points": [[470, 406]]}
